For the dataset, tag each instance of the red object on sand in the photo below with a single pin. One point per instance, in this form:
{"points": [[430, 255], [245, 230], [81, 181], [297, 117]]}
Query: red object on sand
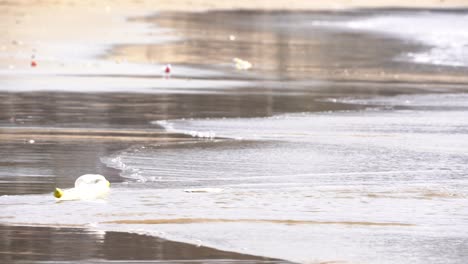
{"points": [[167, 69], [33, 63]]}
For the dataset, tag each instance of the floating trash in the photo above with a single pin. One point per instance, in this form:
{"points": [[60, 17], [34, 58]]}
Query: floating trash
{"points": [[242, 64], [87, 187]]}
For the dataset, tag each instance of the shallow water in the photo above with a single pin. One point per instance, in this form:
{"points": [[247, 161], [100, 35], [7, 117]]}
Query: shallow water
{"points": [[372, 175], [312, 167]]}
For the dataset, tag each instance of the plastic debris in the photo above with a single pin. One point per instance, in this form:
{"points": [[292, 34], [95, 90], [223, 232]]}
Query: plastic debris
{"points": [[33, 63], [232, 37], [242, 64], [32, 141], [87, 187], [199, 242], [167, 69]]}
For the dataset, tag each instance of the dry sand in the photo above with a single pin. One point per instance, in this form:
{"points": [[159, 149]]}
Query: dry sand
{"points": [[200, 5]]}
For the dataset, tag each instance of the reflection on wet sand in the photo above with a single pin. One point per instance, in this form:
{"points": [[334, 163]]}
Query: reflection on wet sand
{"points": [[28, 243], [136, 111], [287, 46], [89, 134]]}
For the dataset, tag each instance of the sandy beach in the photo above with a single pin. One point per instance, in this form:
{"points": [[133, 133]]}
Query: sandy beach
{"points": [[345, 142], [58, 36]]}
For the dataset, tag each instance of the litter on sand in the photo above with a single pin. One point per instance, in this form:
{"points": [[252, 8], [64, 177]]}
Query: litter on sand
{"points": [[167, 69], [87, 187], [242, 64]]}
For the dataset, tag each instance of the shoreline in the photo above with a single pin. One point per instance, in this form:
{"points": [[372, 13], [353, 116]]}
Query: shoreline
{"points": [[81, 244], [137, 11]]}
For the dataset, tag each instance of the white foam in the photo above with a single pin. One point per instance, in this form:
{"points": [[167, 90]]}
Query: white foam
{"points": [[194, 133]]}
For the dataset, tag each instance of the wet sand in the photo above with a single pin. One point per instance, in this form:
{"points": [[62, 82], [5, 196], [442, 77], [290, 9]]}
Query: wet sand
{"points": [[20, 244], [296, 72], [283, 45]]}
